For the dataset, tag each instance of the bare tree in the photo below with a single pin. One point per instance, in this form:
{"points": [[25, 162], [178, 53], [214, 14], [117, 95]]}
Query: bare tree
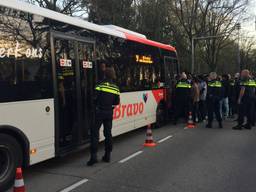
{"points": [[247, 51], [68, 7], [196, 18], [222, 19], [121, 12]]}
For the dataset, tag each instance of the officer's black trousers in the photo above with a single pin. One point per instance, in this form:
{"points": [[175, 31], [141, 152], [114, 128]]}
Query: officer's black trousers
{"points": [[213, 108], [246, 109], [202, 110], [253, 114], [107, 123], [182, 108]]}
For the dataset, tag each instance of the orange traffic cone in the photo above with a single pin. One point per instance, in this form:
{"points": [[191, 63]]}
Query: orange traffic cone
{"points": [[19, 182], [149, 142], [190, 124]]}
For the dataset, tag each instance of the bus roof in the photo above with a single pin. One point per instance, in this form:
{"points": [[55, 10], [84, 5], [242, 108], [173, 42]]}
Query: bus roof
{"points": [[137, 37], [125, 30], [148, 42], [26, 7]]}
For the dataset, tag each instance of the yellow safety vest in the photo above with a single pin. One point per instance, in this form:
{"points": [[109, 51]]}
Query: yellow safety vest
{"points": [[108, 88], [182, 84], [249, 83], [217, 84]]}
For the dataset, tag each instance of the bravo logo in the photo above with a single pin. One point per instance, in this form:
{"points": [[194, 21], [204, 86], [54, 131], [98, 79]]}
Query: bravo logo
{"points": [[128, 110], [131, 109]]}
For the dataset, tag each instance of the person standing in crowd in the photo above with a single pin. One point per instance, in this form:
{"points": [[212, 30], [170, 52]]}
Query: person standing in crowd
{"points": [[182, 97], [236, 92], [213, 99], [107, 97], [202, 101], [224, 102], [195, 99], [245, 100], [254, 100], [231, 96], [189, 78], [101, 71]]}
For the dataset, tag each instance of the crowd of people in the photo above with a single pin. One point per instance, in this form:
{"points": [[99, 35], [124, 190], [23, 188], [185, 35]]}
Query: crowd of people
{"points": [[211, 97], [207, 97]]}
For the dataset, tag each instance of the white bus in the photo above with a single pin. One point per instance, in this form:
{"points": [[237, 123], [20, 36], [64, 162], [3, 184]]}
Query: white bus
{"points": [[49, 65]]}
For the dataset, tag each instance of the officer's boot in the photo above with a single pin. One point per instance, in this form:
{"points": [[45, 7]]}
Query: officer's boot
{"points": [[220, 125], [247, 126], [209, 125], [237, 127], [106, 157], [92, 160]]}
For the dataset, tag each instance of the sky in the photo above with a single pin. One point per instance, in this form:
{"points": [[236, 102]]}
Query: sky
{"points": [[249, 26]]}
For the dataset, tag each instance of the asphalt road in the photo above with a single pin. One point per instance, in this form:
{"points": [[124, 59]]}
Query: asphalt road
{"points": [[186, 160]]}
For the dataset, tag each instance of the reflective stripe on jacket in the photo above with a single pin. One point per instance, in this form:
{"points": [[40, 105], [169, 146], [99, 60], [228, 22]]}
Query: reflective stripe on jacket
{"points": [[215, 84], [183, 84], [249, 83], [108, 88]]}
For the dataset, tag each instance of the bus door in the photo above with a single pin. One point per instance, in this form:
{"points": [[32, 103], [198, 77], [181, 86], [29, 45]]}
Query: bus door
{"points": [[171, 69], [87, 77], [73, 66]]}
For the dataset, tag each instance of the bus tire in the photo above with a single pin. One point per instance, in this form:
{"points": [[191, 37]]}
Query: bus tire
{"points": [[10, 159]]}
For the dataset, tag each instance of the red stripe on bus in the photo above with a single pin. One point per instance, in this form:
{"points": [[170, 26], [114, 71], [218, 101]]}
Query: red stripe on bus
{"points": [[148, 42], [158, 95]]}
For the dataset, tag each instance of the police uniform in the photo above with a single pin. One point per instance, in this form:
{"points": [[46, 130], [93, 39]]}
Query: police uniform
{"points": [[107, 96], [236, 92], [254, 105], [231, 98], [214, 95], [246, 106], [183, 99]]}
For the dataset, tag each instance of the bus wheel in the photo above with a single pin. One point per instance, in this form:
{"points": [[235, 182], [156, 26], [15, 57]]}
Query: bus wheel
{"points": [[10, 159], [160, 115]]}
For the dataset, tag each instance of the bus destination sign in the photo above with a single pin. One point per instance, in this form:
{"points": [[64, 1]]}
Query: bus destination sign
{"points": [[143, 59]]}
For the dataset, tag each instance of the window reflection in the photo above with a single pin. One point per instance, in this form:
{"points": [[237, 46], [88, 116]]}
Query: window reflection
{"points": [[138, 66], [25, 70]]}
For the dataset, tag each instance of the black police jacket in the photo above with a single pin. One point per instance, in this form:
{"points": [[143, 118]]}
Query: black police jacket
{"points": [[183, 90], [107, 96], [214, 91], [249, 85], [226, 88]]}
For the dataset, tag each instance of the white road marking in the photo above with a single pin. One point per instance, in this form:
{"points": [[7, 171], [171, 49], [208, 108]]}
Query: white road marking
{"points": [[185, 128], [130, 157], [75, 185], [164, 139]]}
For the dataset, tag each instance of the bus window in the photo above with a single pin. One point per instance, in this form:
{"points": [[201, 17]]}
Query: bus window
{"points": [[25, 60], [138, 67]]}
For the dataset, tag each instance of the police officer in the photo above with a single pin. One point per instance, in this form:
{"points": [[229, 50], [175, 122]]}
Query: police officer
{"points": [[182, 97], [107, 97], [245, 100], [101, 71], [236, 92], [214, 96], [254, 101], [231, 97]]}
